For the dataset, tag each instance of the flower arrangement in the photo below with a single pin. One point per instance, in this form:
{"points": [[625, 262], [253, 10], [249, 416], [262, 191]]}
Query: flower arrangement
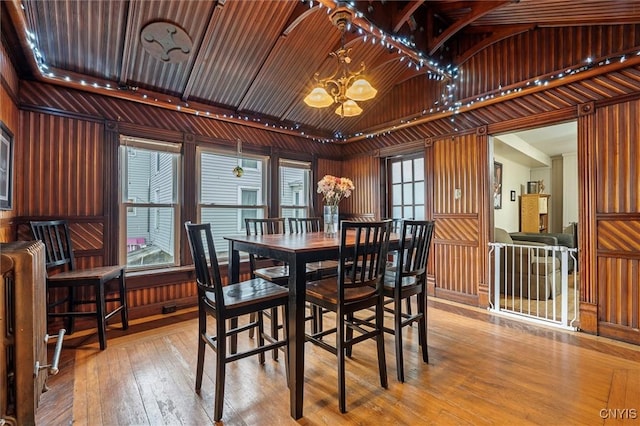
{"points": [[334, 189]]}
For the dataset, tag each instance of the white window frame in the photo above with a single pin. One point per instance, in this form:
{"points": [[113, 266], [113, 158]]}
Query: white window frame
{"points": [[129, 204]]}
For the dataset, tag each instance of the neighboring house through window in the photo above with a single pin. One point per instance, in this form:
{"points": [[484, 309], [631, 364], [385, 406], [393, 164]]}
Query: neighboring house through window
{"points": [[149, 203]]}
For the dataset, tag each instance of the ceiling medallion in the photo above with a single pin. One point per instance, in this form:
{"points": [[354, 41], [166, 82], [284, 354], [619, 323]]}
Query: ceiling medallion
{"points": [[166, 41]]}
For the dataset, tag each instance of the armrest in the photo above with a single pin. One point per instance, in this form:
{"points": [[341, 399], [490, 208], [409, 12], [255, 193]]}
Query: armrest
{"points": [[522, 237]]}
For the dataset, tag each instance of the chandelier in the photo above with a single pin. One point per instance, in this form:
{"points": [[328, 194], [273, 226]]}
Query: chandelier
{"points": [[344, 87]]}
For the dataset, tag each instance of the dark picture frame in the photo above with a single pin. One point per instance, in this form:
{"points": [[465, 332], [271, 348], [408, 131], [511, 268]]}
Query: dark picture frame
{"points": [[6, 168], [497, 185]]}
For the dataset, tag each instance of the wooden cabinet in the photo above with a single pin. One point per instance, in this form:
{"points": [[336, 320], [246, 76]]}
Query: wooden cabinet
{"points": [[534, 213]]}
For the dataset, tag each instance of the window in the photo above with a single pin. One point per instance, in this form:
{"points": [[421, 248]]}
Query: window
{"points": [[226, 200], [149, 206], [248, 163], [406, 187], [294, 188]]}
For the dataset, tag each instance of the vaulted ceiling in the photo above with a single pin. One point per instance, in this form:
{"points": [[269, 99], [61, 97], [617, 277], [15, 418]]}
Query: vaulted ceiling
{"points": [[255, 60]]}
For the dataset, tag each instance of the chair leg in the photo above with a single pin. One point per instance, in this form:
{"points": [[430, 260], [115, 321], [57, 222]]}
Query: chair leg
{"points": [[221, 362], [382, 362], [124, 314], [202, 332], [100, 312], [340, 350], [71, 299], [260, 320], [408, 302], [285, 331], [252, 318], [349, 336], [274, 331], [422, 325], [397, 321]]}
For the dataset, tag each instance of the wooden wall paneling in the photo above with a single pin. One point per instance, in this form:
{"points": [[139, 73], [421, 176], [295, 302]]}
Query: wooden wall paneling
{"points": [[111, 146], [325, 167], [63, 166], [456, 165], [364, 171], [587, 181], [10, 116], [485, 213], [617, 221]]}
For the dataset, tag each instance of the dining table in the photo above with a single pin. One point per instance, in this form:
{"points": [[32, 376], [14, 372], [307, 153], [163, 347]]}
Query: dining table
{"points": [[296, 250]]}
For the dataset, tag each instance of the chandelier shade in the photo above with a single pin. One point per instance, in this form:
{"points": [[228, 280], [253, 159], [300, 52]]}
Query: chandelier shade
{"points": [[348, 108], [345, 86], [318, 98], [361, 90]]}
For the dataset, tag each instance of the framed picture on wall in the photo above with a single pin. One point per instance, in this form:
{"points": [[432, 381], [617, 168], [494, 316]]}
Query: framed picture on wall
{"points": [[6, 168], [497, 185]]}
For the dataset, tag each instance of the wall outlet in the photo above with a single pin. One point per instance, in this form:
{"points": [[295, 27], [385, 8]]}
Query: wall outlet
{"points": [[457, 194]]}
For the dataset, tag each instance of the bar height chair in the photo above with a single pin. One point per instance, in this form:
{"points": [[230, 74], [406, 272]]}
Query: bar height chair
{"points": [[229, 302], [62, 273], [408, 278], [357, 287]]}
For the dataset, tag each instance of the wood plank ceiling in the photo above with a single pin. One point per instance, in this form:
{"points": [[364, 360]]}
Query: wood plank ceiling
{"points": [[256, 59]]}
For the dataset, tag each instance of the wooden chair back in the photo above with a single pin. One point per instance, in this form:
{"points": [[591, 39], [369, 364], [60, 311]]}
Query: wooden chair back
{"points": [[205, 260], [300, 225], [57, 240], [264, 226], [415, 244], [364, 263]]}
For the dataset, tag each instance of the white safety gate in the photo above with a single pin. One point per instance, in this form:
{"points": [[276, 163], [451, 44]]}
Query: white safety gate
{"points": [[535, 282]]}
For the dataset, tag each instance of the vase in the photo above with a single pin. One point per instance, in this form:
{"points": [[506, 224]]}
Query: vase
{"points": [[331, 220]]}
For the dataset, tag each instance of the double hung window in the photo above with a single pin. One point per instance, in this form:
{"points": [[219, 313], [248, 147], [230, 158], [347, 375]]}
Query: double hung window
{"points": [[149, 205]]}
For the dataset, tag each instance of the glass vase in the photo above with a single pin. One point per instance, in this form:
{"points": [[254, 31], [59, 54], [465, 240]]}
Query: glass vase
{"points": [[331, 220]]}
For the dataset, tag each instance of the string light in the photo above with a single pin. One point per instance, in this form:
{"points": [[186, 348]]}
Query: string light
{"points": [[434, 72]]}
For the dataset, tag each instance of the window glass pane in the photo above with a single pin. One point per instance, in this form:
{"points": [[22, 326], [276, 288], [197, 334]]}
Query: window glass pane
{"points": [[396, 172], [248, 163], [396, 194], [418, 169], [397, 212], [419, 212], [226, 200], [151, 244], [407, 193], [407, 170], [419, 192], [294, 188], [219, 185], [407, 212], [149, 189]]}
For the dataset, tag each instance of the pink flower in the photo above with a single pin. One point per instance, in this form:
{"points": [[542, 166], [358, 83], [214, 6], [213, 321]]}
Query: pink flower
{"points": [[334, 189]]}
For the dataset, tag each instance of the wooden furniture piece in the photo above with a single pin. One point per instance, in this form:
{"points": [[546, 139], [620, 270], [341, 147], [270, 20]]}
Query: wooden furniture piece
{"points": [[357, 287], [407, 278], [297, 250], [23, 320], [298, 225], [63, 274], [228, 302], [534, 216]]}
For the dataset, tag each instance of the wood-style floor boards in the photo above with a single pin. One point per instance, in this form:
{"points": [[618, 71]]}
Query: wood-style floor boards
{"points": [[483, 370]]}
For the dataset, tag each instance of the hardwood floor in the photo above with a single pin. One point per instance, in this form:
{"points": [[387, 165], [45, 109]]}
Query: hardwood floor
{"points": [[483, 370]]}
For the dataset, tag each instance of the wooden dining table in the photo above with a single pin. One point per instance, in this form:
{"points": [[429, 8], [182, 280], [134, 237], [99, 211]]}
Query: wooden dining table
{"points": [[296, 250]]}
